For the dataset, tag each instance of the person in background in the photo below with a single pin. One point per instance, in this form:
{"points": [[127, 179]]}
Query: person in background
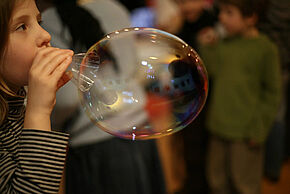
{"points": [[168, 16], [132, 5], [197, 16], [276, 26], [32, 156], [244, 100], [183, 154], [97, 162]]}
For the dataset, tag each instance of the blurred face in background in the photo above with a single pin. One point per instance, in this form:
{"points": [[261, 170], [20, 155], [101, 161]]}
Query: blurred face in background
{"points": [[233, 21], [191, 9]]}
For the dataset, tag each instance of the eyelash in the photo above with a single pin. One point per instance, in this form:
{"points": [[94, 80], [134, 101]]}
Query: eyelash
{"points": [[23, 26]]}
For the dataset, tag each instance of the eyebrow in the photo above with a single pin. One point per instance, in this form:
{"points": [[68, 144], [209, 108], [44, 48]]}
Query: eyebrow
{"points": [[23, 17], [38, 16]]}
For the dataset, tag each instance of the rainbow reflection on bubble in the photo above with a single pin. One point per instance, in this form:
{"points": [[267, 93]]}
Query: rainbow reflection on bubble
{"points": [[145, 84]]}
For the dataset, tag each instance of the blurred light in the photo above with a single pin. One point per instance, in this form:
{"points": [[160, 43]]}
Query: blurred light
{"points": [[144, 63]]}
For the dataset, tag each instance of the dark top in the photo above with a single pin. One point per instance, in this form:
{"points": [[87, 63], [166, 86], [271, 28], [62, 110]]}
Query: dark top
{"points": [[189, 30]]}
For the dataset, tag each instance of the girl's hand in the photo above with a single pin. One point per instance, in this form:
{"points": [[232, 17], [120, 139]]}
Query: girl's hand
{"points": [[46, 76]]}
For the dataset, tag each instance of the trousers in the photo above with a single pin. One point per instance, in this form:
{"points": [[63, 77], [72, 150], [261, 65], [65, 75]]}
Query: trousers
{"points": [[234, 167]]}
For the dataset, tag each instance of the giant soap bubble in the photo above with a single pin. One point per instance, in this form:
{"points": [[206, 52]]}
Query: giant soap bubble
{"points": [[141, 83]]}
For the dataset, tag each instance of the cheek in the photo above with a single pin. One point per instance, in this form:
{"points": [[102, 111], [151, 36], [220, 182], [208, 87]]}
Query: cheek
{"points": [[17, 65], [227, 22], [236, 25], [191, 7], [222, 18]]}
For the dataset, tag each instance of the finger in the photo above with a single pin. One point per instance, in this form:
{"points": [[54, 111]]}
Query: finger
{"points": [[59, 70], [45, 57], [40, 57], [56, 59]]}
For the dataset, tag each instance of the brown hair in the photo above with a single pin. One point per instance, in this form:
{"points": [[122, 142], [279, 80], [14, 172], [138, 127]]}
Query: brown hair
{"points": [[6, 8], [249, 7]]}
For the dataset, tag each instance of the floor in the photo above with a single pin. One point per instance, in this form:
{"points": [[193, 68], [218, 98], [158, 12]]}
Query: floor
{"points": [[175, 172]]}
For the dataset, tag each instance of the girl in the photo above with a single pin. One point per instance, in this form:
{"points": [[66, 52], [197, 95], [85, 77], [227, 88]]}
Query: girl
{"points": [[31, 155]]}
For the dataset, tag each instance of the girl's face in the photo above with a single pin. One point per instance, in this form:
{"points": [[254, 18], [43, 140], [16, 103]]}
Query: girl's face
{"points": [[26, 37], [232, 20]]}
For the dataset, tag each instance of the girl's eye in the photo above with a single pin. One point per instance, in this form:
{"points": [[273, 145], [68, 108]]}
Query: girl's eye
{"points": [[21, 28]]}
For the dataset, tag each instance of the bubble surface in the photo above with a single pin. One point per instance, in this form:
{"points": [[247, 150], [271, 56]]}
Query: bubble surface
{"points": [[142, 83]]}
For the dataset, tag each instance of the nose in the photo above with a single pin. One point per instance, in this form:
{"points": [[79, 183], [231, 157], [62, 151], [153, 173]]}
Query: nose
{"points": [[220, 16], [43, 38]]}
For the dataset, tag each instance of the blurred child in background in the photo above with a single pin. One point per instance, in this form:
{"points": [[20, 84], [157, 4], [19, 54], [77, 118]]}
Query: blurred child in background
{"points": [[244, 100], [276, 26], [197, 15]]}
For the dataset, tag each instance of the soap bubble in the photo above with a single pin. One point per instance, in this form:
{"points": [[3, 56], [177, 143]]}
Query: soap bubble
{"points": [[141, 83]]}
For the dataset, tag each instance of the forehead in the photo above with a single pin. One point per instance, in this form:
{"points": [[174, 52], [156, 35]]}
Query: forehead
{"points": [[23, 7], [189, 1], [226, 6]]}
